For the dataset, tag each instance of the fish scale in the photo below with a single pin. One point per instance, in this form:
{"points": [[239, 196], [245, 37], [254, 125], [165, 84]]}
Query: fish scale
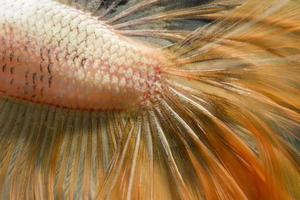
{"points": [[80, 61]]}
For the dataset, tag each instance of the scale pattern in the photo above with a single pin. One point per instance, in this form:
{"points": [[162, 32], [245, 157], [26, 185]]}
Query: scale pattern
{"points": [[54, 54]]}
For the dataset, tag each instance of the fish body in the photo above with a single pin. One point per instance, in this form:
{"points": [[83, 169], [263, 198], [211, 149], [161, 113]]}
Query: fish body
{"points": [[57, 55], [216, 105]]}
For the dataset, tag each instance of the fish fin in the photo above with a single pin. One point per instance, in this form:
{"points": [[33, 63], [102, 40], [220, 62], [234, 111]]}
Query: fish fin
{"points": [[240, 74], [49, 152], [166, 22], [227, 126], [157, 21]]}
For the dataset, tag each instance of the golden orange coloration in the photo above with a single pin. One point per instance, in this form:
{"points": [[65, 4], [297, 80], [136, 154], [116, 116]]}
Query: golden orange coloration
{"points": [[163, 99]]}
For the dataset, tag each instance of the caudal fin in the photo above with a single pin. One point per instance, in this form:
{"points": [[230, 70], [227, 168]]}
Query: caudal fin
{"points": [[227, 126], [235, 85]]}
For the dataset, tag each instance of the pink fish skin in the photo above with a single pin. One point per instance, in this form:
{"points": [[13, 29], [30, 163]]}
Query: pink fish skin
{"points": [[54, 54]]}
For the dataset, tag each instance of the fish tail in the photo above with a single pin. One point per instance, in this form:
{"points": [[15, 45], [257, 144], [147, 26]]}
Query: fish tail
{"points": [[232, 96], [226, 126]]}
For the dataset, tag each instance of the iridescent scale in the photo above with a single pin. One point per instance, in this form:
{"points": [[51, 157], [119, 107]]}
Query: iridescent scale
{"points": [[54, 54]]}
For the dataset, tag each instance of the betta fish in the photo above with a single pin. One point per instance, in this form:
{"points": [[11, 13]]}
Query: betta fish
{"points": [[150, 99]]}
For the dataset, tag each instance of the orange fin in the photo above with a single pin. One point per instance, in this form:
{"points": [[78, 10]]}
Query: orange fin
{"points": [[227, 126]]}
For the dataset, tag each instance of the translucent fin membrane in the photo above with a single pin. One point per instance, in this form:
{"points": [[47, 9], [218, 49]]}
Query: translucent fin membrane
{"points": [[227, 125], [160, 19]]}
